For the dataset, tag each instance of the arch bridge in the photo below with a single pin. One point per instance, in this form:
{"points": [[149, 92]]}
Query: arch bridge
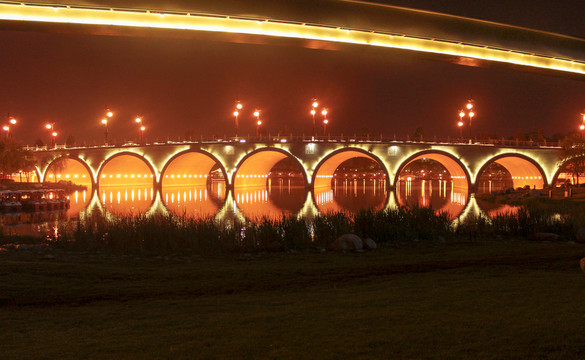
{"points": [[247, 163]]}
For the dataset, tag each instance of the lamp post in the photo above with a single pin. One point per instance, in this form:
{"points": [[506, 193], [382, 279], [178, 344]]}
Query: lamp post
{"points": [[582, 126], [460, 124], [141, 127], [314, 106], [6, 128], [469, 112], [108, 115], [51, 127], [325, 122], [239, 107], [258, 121]]}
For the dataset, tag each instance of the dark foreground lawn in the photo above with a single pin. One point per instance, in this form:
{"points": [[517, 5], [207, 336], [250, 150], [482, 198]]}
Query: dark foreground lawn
{"points": [[488, 300]]}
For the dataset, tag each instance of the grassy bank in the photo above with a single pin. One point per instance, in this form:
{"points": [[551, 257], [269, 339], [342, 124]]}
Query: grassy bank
{"points": [[481, 300]]}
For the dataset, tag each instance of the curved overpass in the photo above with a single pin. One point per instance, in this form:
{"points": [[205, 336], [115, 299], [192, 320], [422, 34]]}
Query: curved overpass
{"points": [[319, 24]]}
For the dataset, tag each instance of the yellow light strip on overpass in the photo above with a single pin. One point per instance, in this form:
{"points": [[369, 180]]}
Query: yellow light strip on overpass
{"points": [[226, 24]]}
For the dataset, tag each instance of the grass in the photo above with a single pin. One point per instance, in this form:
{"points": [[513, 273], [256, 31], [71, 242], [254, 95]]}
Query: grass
{"points": [[480, 300]]}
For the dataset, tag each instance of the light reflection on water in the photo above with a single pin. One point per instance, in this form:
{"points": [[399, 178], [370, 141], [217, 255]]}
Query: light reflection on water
{"points": [[280, 197], [197, 202], [441, 195]]}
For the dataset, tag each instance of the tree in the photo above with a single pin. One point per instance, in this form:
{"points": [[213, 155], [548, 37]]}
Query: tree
{"points": [[70, 142], [419, 133], [14, 159], [572, 156]]}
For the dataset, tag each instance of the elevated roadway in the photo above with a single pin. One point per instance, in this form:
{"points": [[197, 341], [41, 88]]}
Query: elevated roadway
{"points": [[328, 24]]}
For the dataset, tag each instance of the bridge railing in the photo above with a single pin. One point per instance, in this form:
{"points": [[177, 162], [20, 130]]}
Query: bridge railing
{"points": [[272, 139]]}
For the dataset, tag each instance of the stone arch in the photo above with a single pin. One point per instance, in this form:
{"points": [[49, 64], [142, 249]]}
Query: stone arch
{"points": [[557, 174], [76, 161], [461, 181], [253, 169], [134, 177], [326, 168], [458, 171], [196, 165], [524, 170]]}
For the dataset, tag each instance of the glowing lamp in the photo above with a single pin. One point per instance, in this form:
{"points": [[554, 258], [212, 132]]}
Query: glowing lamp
{"points": [[460, 123], [109, 114], [471, 114], [256, 113], [324, 112], [138, 120], [313, 112], [461, 113], [259, 122], [582, 127], [236, 113], [469, 106], [54, 134], [315, 104], [325, 121], [5, 128], [49, 126], [13, 121], [239, 106], [105, 121]]}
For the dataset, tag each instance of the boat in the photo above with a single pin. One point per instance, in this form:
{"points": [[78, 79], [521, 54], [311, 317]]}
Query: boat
{"points": [[33, 200], [10, 202]]}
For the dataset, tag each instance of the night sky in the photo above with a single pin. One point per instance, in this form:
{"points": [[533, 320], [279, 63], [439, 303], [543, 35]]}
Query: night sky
{"points": [[186, 87]]}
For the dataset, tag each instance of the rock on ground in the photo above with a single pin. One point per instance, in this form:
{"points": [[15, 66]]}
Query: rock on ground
{"points": [[347, 242], [369, 244]]}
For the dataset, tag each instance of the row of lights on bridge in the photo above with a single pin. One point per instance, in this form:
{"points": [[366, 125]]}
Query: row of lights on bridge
{"points": [[467, 113], [256, 113]]}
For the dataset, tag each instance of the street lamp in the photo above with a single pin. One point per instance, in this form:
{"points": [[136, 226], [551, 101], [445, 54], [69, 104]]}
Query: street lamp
{"points": [[325, 122], [51, 127], [314, 106], [460, 124], [582, 126], [258, 121], [141, 127], [105, 123], [6, 128], [468, 111], [108, 115], [239, 107]]}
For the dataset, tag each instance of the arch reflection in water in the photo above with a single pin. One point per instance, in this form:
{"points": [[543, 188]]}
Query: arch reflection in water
{"points": [[440, 195], [78, 201], [195, 202], [127, 200], [280, 196], [351, 195]]}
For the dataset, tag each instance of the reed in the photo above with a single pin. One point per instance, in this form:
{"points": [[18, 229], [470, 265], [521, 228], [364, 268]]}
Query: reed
{"points": [[171, 234]]}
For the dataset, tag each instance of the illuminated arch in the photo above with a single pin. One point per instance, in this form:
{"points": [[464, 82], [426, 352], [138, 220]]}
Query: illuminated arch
{"points": [[72, 160], [458, 171], [253, 169], [559, 170], [461, 181], [129, 179], [195, 167], [326, 168], [524, 170]]}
